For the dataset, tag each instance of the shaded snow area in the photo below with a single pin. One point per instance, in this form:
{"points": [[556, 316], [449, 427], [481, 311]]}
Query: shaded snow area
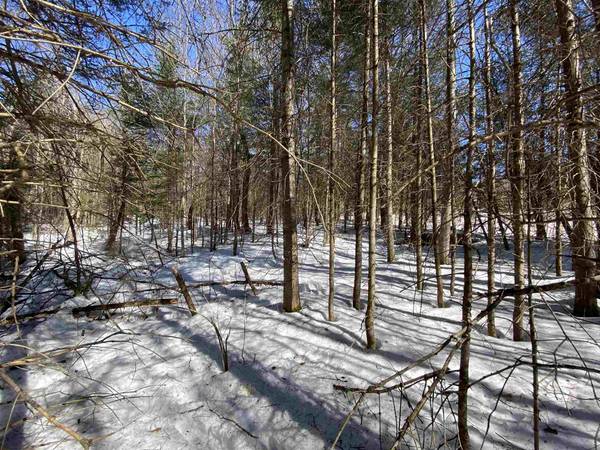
{"points": [[152, 378]]}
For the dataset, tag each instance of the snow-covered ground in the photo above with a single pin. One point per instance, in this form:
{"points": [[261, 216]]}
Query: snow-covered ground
{"points": [[153, 378]]}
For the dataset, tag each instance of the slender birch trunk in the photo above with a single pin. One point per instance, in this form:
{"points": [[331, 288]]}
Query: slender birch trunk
{"points": [[389, 210], [539, 200], [417, 197], [370, 314], [558, 204], [273, 162], [491, 171], [432, 159], [330, 179], [213, 189], [463, 384], [245, 194], [448, 249], [359, 199], [532, 329]]}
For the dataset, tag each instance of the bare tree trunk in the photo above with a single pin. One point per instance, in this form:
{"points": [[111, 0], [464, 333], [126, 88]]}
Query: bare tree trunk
{"points": [[172, 178], [370, 315], [11, 216], [445, 230], [491, 172], [330, 179], [213, 194], [345, 219], [582, 238], [117, 221], [463, 383], [595, 155], [291, 295], [273, 162], [447, 241], [532, 330], [417, 216], [558, 204], [190, 222], [326, 221], [233, 206], [359, 194], [170, 224], [432, 159], [539, 198], [389, 210], [72, 228], [245, 194], [517, 172]]}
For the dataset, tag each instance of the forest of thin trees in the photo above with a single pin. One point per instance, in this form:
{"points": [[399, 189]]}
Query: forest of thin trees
{"points": [[455, 129]]}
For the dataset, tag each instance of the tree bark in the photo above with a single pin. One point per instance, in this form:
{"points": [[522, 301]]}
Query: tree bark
{"points": [[245, 194], [359, 193], [389, 220], [373, 182], [432, 159], [417, 215], [447, 241], [331, 163], [117, 221], [539, 196], [463, 383], [291, 295], [491, 170], [582, 238], [558, 203], [532, 329], [12, 220], [273, 162], [517, 171], [233, 206], [595, 159]]}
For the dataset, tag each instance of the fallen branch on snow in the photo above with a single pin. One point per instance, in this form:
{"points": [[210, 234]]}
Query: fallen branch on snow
{"points": [[403, 385], [184, 290], [84, 442], [77, 312], [30, 316], [247, 276], [228, 282], [534, 289]]}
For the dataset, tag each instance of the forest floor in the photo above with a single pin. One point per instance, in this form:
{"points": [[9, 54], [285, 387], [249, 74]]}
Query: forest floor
{"points": [[153, 378]]}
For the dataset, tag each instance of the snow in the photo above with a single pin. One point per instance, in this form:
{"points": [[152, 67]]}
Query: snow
{"points": [[153, 378]]}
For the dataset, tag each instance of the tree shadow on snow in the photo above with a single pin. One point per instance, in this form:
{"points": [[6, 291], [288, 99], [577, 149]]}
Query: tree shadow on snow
{"points": [[307, 410]]}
